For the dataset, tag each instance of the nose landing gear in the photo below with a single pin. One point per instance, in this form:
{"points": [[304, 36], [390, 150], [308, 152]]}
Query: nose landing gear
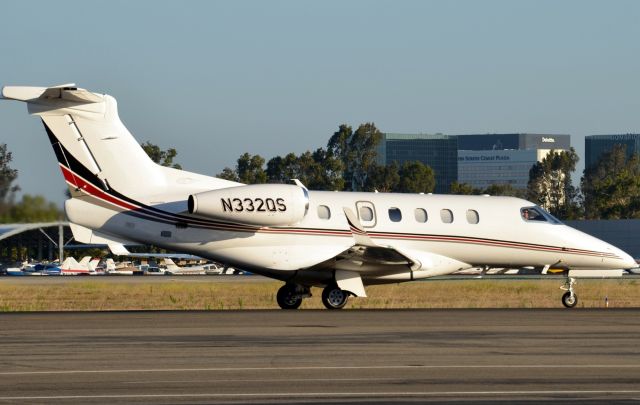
{"points": [[569, 299]]}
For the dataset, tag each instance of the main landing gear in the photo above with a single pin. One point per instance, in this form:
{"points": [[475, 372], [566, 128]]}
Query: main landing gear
{"points": [[290, 296], [569, 299], [333, 297]]}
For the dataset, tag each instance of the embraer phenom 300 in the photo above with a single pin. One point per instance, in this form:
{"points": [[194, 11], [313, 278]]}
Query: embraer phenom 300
{"points": [[340, 241]]}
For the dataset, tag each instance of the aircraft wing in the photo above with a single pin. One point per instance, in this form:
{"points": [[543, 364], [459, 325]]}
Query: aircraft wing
{"points": [[367, 250], [368, 260]]}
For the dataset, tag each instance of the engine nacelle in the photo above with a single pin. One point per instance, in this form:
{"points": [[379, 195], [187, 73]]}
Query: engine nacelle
{"points": [[255, 204]]}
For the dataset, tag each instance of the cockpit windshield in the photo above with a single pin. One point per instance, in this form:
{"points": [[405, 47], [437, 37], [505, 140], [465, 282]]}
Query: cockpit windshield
{"points": [[537, 214]]}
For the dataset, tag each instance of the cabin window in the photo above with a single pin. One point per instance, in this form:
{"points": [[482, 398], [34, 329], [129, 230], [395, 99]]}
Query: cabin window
{"points": [[473, 217], [446, 216], [395, 215], [366, 214], [421, 215], [324, 212], [165, 234]]}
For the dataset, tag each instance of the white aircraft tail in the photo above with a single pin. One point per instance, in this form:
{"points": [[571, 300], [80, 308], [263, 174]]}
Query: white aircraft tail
{"points": [[93, 264], [170, 264], [98, 156], [69, 263], [84, 262], [111, 265]]}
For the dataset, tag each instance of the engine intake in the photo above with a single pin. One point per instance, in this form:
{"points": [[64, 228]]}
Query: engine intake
{"points": [[255, 204]]}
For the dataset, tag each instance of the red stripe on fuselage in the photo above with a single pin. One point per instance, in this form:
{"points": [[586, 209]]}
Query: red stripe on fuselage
{"points": [[94, 191]]}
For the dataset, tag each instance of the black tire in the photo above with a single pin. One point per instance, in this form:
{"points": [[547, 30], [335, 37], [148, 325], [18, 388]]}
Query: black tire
{"points": [[568, 301], [287, 297], [334, 298]]}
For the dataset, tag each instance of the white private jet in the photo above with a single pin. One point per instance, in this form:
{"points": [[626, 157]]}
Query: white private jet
{"points": [[340, 241]]}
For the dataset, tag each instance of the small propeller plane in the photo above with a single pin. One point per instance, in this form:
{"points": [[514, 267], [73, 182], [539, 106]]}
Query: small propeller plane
{"points": [[339, 241]]}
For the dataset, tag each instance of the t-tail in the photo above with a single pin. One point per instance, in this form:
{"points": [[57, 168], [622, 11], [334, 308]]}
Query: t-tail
{"points": [[95, 151]]}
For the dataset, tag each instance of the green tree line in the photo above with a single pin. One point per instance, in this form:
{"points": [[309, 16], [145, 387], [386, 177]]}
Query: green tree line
{"points": [[29, 208], [347, 163], [608, 190]]}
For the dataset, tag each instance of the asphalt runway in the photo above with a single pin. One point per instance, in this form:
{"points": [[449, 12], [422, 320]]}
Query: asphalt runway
{"points": [[350, 356]]}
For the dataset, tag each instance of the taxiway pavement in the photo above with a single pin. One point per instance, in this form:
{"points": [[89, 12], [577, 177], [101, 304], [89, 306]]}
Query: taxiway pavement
{"points": [[349, 356]]}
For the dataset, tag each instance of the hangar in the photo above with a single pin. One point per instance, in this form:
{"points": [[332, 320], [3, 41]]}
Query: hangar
{"points": [[40, 240]]}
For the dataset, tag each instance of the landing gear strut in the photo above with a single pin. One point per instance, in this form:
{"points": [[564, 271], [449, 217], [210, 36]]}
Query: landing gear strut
{"points": [[289, 297], [333, 297], [569, 299]]}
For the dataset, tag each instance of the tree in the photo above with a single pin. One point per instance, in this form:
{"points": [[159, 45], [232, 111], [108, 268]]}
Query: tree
{"points": [[504, 189], [7, 174], [161, 157], [611, 188], [464, 189], [357, 151], [383, 178], [327, 171], [250, 169], [283, 169], [317, 171], [33, 209], [416, 177], [228, 174], [7, 177], [550, 184]]}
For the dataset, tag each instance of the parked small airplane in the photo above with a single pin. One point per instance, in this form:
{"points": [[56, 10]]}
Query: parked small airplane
{"points": [[340, 241], [124, 268], [71, 267]]}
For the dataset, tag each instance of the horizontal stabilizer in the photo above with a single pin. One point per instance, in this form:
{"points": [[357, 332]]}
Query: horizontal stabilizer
{"points": [[65, 92]]}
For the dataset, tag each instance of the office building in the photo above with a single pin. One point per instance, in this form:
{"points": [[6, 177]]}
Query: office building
{"points": [[437, 151], [596, 145]]}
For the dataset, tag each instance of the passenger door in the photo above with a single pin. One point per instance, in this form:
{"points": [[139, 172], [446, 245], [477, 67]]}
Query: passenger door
{"points": [[366, 213]]}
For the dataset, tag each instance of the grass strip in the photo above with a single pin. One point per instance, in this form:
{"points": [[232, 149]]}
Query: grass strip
{"points": [[96, 296]]}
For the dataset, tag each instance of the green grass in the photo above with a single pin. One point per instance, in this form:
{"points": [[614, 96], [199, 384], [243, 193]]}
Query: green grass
{"points": [[97, 296]]}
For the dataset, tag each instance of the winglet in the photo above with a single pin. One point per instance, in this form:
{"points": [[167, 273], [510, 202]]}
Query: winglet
{"points": [[357, 230]]}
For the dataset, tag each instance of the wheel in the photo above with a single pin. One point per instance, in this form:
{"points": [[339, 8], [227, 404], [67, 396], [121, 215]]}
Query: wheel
{"points": [[287, 297], [334, 298], [568, 300]]}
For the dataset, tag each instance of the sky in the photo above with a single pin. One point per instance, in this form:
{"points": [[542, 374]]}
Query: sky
{"points": [[217, 79]]}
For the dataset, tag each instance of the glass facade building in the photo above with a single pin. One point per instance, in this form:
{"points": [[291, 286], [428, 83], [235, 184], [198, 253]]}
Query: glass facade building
{"points": [[596, 145], [440, 152]]}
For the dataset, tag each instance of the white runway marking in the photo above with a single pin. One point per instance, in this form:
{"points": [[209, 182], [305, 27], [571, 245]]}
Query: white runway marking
{"points": [[389, 367], [326, 394]]}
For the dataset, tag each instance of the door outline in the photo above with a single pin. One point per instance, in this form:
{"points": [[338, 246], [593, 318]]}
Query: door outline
{"points": [[367, 224]]}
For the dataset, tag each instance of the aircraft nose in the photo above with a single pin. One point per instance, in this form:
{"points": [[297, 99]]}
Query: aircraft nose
{"points": [[623, 260]]}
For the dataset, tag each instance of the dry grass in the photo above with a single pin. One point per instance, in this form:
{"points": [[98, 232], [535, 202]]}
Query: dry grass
{"points": [[96, 296]]}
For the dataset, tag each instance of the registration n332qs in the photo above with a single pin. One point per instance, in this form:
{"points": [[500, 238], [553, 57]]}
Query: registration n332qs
{"points": [[339, 241]]}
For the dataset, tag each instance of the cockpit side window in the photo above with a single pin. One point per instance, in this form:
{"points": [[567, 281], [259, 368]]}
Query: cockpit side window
{"points": [[537, 214]]}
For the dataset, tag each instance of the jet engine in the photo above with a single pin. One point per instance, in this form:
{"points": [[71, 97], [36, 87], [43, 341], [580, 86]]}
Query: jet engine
{"points": [[255, 204]]}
